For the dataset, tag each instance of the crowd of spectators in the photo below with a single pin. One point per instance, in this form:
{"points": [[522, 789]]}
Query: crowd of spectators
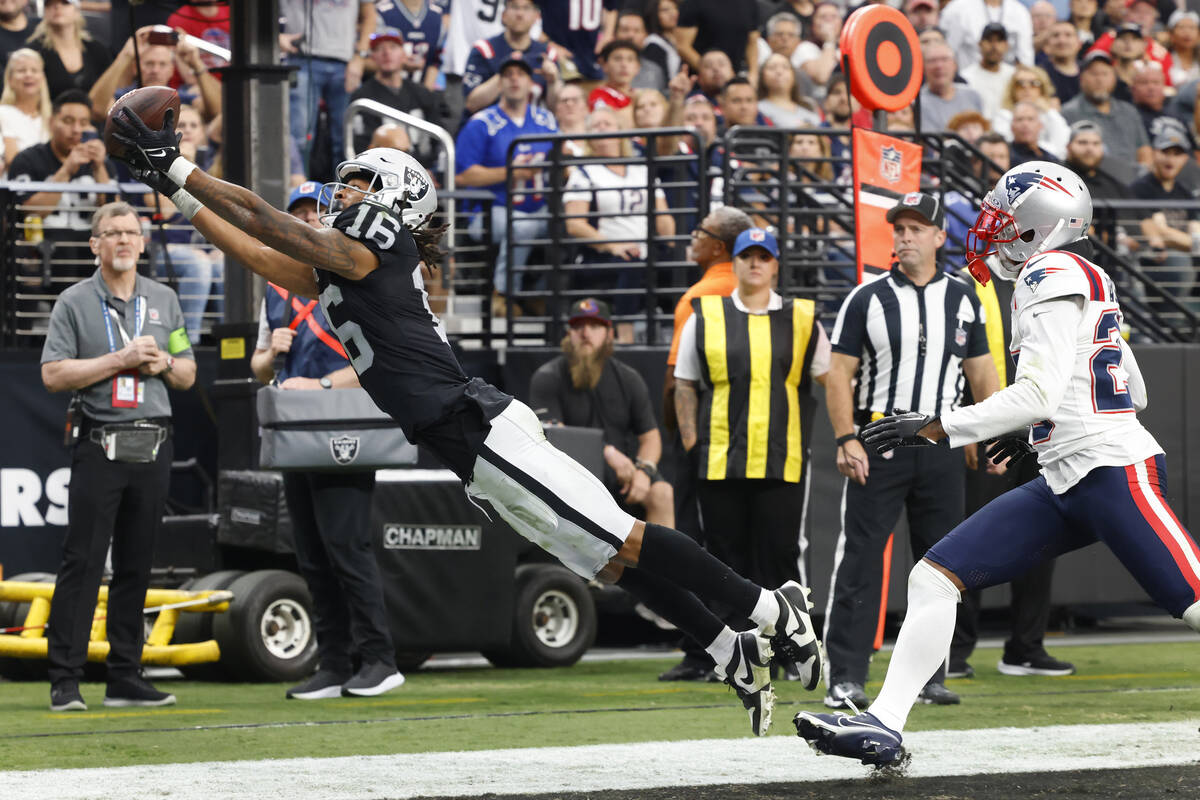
{"points": [[1025, 71]]}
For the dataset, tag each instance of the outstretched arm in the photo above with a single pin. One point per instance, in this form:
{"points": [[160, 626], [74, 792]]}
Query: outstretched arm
{"points": [[280, 269], [244, 210]]}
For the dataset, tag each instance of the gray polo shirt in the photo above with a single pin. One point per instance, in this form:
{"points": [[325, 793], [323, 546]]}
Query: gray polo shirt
{"points": [[1121, 129], [77, 330]]}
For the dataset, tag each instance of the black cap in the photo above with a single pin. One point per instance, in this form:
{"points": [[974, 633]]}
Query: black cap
{"points": [[1129, 27], [518, 58], [1094, 55], [590, 308], [924, 204], [993, 29]]}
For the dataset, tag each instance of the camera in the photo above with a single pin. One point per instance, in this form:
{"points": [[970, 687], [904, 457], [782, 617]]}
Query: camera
{"points": [[161, 34]]}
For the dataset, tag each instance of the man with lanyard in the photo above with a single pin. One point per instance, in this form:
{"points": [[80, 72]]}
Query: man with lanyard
{"points": [[330, 511], [118, 341]]}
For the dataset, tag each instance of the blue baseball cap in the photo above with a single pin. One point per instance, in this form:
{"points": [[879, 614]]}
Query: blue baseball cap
{"points": [[309, 190], [756, 237]]}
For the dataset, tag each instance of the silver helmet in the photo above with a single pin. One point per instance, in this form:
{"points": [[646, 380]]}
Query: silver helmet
{"points": [[395, 180], [1034, 207]]}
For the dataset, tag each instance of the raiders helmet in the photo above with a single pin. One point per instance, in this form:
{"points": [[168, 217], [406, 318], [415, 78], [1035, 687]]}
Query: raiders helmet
{"points": [[1034, 207], [396, 180]]}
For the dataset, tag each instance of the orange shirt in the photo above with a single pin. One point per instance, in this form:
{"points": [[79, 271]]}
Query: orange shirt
{"points": [[717, 279]]}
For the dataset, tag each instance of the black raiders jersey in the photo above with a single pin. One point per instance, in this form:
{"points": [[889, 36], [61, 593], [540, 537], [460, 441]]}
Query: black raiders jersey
{"points": [[394, 341]]}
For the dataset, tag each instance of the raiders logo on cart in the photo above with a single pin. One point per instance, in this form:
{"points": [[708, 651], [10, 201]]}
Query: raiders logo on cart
{"points": [[344, 449]]}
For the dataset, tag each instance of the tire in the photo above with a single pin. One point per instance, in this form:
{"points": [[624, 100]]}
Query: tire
{"points": [[13, 614], [554, 619], [268, 634], [199, 627]]}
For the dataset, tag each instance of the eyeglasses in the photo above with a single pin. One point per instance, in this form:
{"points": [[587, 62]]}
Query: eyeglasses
{"points": [[117, 234], [1029, 84], [699, 230]]}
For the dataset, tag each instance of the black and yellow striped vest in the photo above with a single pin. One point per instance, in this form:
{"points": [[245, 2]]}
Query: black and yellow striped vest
{"points": [[756, 406]]}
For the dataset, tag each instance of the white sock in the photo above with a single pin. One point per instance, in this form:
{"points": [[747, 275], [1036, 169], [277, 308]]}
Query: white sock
{"points": [[721, 648], [1192, 616], [922, 645], [766, 610]]}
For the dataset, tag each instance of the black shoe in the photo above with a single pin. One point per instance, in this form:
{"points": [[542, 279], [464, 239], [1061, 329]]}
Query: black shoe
{"points": [[323, 685], [849, 695], [749, 673], [937, 694], [135, 691], [373, 678], [690, 671], [792, 636], [1037, 664], [960, 669], [65, 696]]}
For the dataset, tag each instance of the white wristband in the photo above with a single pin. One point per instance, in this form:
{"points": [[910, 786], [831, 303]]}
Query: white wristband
{"points": [[187, 205], [179, 171]]}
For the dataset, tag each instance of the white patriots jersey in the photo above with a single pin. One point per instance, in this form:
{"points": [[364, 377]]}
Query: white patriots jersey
{"points": [[1073, 364]]}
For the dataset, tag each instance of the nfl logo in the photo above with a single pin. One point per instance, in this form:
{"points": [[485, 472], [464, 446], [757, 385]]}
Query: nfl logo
{"points": [[960, 336], [344, 449], [153, 314], [757, 236], [889, 164]]}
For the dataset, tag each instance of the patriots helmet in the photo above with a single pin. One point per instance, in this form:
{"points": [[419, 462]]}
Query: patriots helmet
{"points": [[1034, 207], [395, 180]]}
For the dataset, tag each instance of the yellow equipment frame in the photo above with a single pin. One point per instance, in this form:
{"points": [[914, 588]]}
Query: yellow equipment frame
{"points": [[158, 650]]}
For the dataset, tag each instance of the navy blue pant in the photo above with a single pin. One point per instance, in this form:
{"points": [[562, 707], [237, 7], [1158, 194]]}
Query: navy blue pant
{"points": [[1123, 507]]}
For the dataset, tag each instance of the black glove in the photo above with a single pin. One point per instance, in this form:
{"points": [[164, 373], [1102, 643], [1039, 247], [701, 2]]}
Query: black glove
{"points": [[898, 430], [1013, 446], [158, 181], [146, 148]]}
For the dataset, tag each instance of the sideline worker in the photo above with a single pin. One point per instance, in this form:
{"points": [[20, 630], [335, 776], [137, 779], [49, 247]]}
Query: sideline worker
{"points": [[118, 341], [330, 511], [908, 339], [743, 398]]}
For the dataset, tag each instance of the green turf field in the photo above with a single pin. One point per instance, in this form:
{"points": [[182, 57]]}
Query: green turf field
{"points": [[472, 709]]}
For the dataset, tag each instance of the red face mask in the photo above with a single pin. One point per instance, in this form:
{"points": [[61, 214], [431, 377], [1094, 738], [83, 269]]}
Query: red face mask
{"points": [[992, 227]]}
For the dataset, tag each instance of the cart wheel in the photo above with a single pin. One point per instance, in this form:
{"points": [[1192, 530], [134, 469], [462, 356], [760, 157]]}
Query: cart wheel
{"points": [[554, 619], [268, 633], [199, 627], [13, 614]]}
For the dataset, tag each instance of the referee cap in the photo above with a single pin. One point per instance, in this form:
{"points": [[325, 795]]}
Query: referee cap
{"points": [[756, 237], [921, 203]]}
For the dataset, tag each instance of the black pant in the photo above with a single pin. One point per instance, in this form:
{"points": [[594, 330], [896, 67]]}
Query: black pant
{"points": [[330, 514], [928, 481], [687, 520], [1029, 611], [753, 525], [109, 502]]}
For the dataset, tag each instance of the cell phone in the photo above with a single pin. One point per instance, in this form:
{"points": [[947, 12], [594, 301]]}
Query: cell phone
{"points": [[89, 135], [161, 34]]}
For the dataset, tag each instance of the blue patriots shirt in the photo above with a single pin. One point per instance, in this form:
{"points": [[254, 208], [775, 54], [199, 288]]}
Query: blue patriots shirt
{"points": [[484, 140], [488, 54], [576, 25], [422, 31]]}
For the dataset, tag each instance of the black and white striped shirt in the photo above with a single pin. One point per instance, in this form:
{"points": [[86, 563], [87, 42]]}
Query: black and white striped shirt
{"points": [[911, 341]]}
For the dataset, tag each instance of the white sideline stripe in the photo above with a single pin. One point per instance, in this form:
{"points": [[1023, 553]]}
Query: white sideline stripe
{"points": [[1164, 519], [637, 765]]}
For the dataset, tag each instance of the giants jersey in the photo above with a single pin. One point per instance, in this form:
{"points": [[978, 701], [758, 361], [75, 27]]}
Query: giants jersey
{"points": [[394, 341], [1077, 382]]}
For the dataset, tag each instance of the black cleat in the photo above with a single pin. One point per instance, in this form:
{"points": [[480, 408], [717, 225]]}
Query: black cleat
{"points": [[749, 673], [938, 695], [792, 636], [862, 737]]}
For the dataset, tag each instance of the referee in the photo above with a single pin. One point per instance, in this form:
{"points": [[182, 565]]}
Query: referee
{"points": [[902, 341]]}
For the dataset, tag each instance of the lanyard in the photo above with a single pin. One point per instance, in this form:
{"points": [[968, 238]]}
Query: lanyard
{"points": [[110, 316]]}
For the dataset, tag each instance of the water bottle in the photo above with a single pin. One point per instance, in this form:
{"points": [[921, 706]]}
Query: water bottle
{"points": [[33, 229]]}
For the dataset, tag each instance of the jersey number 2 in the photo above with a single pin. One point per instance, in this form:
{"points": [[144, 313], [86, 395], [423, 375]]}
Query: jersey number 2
{"points": [[349, 332], [1110, 381]]}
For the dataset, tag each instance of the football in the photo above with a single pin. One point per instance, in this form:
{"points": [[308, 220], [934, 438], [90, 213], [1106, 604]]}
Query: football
{"points": [[150, 103]]}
